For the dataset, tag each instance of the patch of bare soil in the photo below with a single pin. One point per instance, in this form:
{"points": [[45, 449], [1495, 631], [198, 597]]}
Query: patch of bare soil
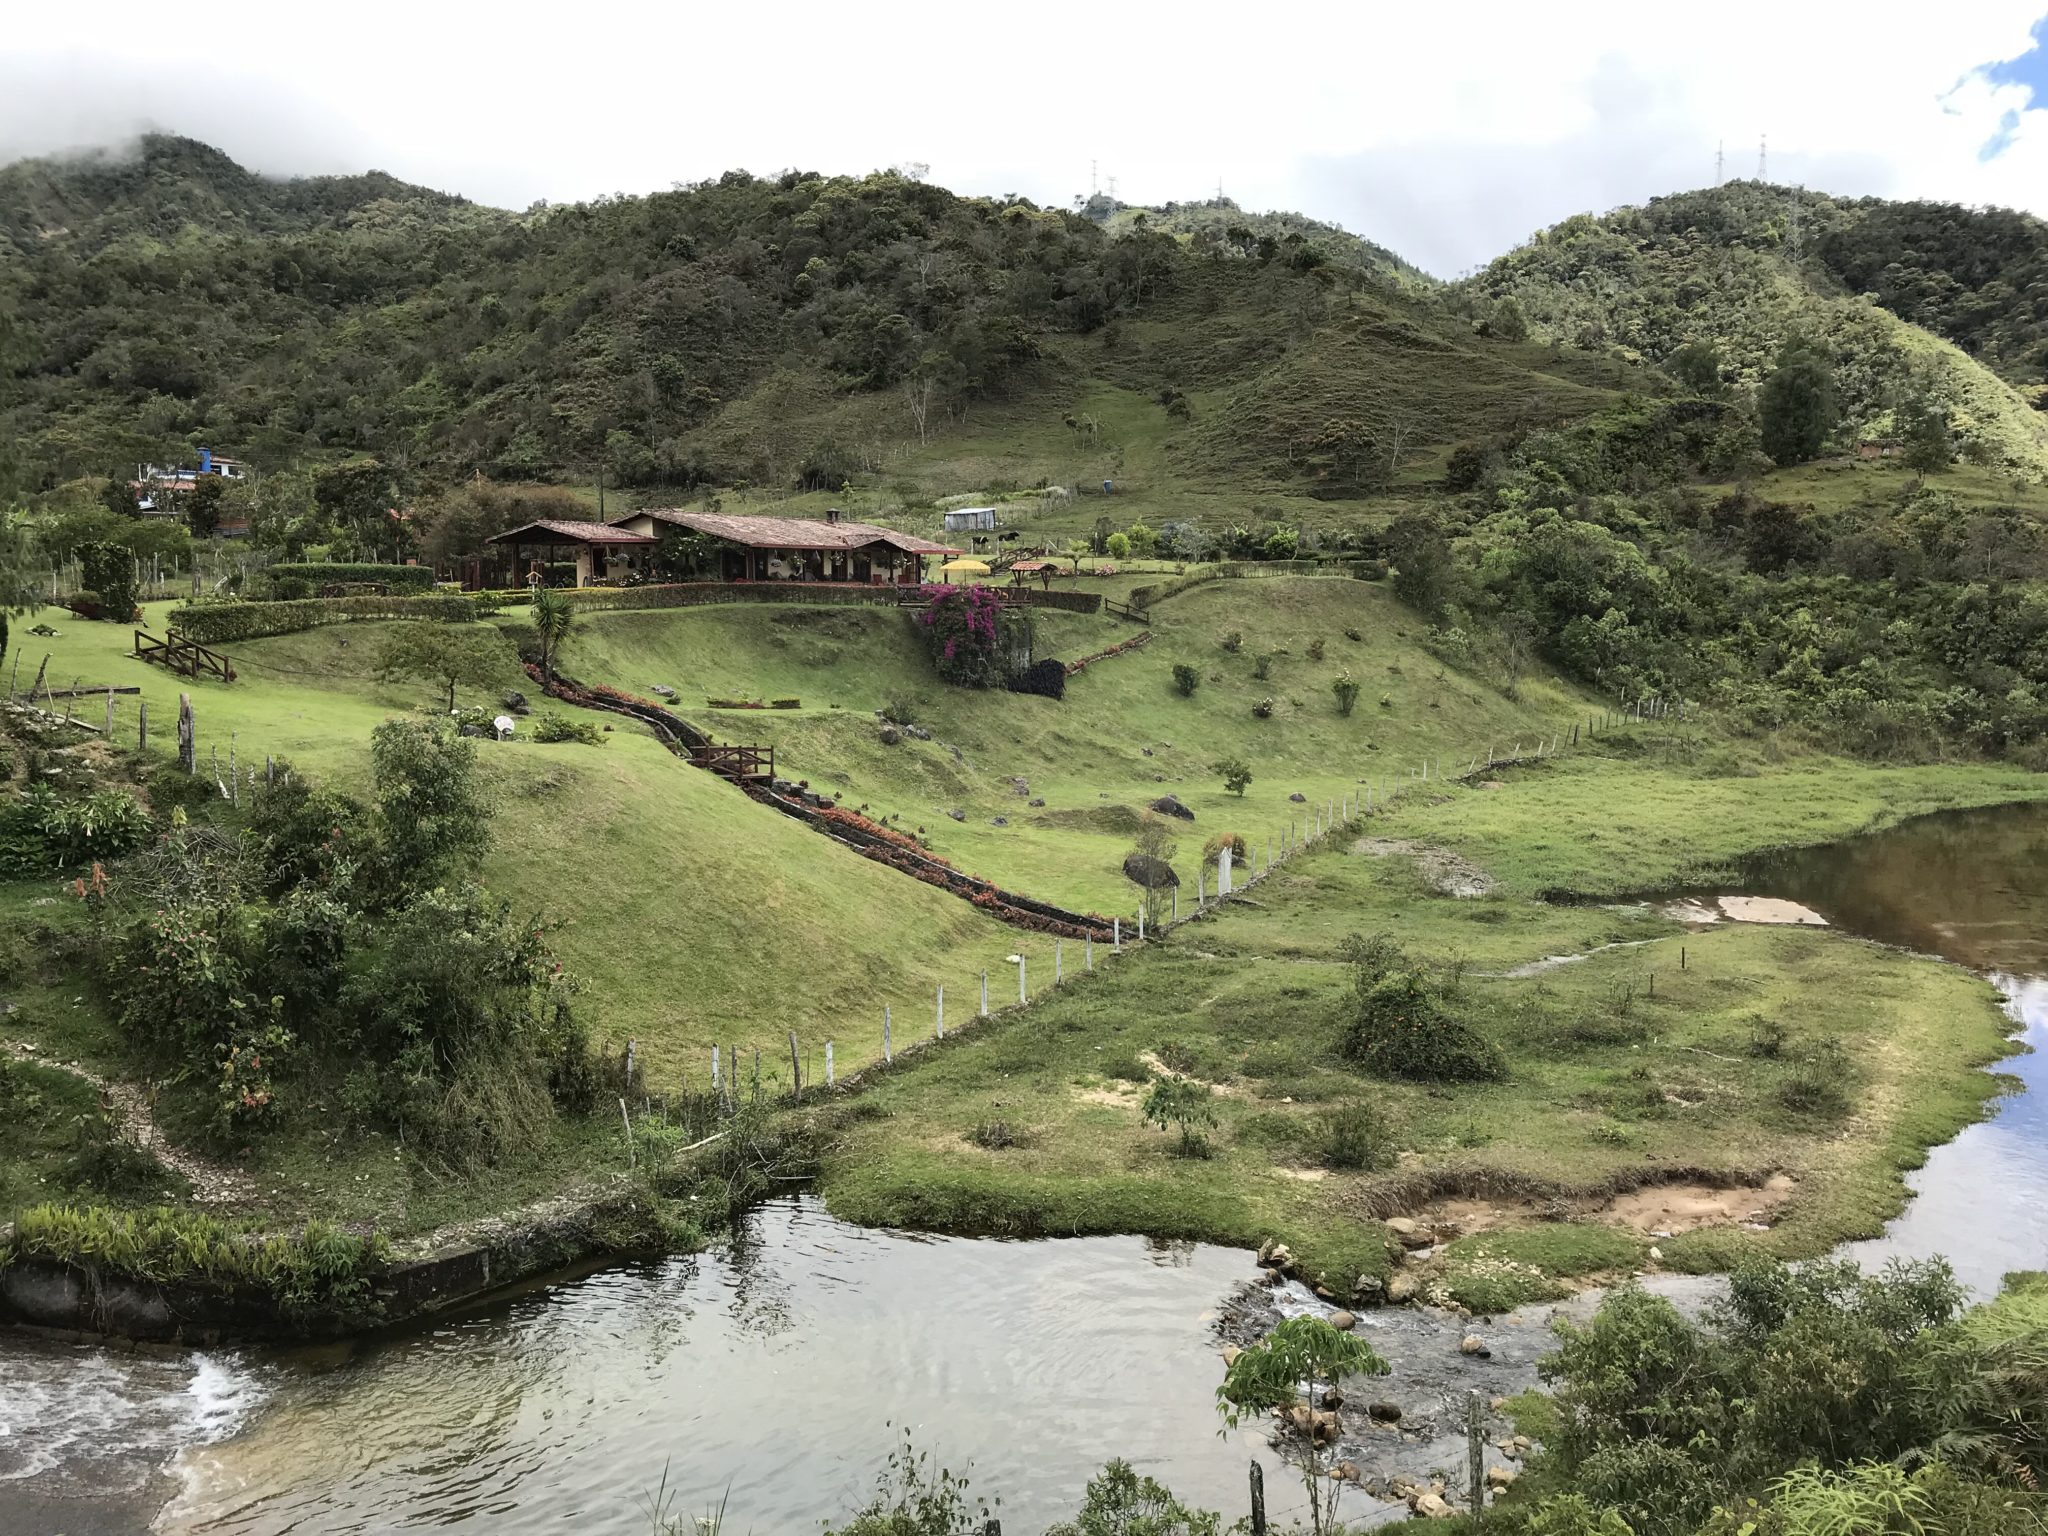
{"points": [[1654, 1210], [1444, 872], [1118, 1095], [1687, 1207]]}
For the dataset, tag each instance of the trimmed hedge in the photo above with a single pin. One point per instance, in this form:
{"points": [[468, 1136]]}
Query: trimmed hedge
{"points": [[226, 623], [399, 578], [1046, 677]]}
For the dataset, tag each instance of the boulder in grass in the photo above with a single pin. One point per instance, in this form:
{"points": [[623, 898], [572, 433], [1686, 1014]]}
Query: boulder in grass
{"points": [[1169, 805], [1153, 874]]}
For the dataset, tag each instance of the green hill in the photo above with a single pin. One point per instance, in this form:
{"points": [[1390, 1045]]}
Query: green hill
{"points": [[1220, 224], [1746, 265]]}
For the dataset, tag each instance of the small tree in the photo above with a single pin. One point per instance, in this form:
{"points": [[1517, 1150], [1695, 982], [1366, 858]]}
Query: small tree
{"points": [[1119, 546], [1185, 679], [431, 817], [1144, 542], [1186, 1103], [1797, 406], [1928, 449], [1346, 691], [554, 621], [1303, 1354], [109, 571], [1237, 773], [444, 654]]}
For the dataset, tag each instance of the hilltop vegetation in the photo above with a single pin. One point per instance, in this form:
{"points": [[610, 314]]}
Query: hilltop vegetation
{"points": [[1745, 267], [1219, 222]]}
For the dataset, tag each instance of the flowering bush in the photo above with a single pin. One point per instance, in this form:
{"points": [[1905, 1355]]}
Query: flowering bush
{"points": [[963, 627]]}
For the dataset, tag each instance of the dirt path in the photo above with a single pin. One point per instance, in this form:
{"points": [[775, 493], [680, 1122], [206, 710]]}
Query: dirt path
{"points": [[127, 1105]]}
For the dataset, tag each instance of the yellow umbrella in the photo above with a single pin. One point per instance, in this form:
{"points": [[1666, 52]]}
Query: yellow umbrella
{"points": [[966, 567]]}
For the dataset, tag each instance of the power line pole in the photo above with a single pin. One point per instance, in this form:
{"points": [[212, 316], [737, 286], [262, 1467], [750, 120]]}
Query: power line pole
{"points": [[1719, 146], [1762, 145]]}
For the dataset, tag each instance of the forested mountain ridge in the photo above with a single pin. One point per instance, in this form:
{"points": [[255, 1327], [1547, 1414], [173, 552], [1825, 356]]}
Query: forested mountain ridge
{"points": [[1745, 267], [795, 329], [1219, 221]]}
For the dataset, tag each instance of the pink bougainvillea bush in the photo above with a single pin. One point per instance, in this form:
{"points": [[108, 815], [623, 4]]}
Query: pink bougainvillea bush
{"points": [[963, 626]]}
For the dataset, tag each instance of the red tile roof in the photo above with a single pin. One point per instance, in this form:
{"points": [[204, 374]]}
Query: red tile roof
{"points": [[550, 530], [791, 532]]}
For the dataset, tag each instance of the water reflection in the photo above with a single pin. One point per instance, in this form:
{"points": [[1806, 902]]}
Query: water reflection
{"points": [[1971, 886], [775, 1368]]}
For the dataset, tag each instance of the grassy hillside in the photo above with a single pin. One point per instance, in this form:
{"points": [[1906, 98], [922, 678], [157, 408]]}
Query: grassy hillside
{"points": [[1122, 737], [1218, 224], [1736, 266]]}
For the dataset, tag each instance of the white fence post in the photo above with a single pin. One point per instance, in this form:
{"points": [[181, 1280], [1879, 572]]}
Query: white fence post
{"points": [[1023, 996], [984, 994], [1223, 871], [714, 1071], [887, 1053], [828, 1063], [1058, 964], [939, 1029], [1088, 954], [1116, 934]]}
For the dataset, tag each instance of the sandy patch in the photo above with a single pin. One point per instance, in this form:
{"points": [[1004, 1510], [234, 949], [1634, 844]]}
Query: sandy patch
{"points": [[1116, 1095], [1444, 872], [1655, 1208], [1687, 1207], [1306, 1175], [1769, 909]]}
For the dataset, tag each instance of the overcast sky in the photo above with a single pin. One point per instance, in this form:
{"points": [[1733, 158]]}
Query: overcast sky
{"points": [[1449, 131]]}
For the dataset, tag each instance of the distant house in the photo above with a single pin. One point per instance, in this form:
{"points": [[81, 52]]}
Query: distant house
{"points": [[971, 520], [747, 549], [157, 486], [1881, 448]]}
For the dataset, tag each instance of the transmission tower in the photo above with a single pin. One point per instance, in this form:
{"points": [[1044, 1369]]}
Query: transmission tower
{"points": [[1762, 146], [1719, 146], [1094, 185]]}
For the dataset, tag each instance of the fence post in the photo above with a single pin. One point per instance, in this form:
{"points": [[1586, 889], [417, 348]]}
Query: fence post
{"points": [[141, 726], [188, 747], [1058, 964], [1201, 887], [1258, 1499], [109, 732], [632, 1049], [984, 994], [715, 1081], [1023, 996], [1116, 934], [939, 1018], [1141, 922], [234, 778], [828, 1063], [796, 1070], [887, 1053], [1223, 871], [1088, 953]]}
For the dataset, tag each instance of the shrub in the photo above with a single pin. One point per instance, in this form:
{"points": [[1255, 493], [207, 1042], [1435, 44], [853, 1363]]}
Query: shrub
{"points": [[1233, 642], [552, 727], [215, 624], [316, 574], [1262, 667], [1263, 709], [1185, 679], [1121, 1503], [1315, 649], [1767, 1037], [1357, 1137], [289, 589], [1399, 1025], [109, 570], [1345, 688], [1212, 851], [1186, 1103], [966, 630], [993, 1135], [43, 830], [901, 710], [1370, 570], [1044, 677], [1237, 774], [431, 815]]}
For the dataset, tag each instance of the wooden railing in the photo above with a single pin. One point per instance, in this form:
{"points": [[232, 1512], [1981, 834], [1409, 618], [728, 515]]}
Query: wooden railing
{"points": [[739, 764], [187, 657]]}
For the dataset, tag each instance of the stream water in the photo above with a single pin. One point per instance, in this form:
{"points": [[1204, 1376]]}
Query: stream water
{"points": [[777, 1373]]}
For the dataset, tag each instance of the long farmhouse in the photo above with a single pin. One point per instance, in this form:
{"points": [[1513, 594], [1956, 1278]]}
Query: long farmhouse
{"points": [[731, 549]]}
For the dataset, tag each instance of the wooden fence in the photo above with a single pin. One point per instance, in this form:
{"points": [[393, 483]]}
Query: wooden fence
{"points": [[186, 657]]}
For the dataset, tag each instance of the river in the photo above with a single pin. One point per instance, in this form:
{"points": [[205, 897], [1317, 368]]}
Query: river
{"points": [[777, 1372]]}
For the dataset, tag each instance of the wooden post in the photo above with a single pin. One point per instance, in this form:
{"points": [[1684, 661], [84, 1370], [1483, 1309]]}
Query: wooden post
{"points": [[627, 1121], [714, 1072], [109, 732], [1681, 957], [188, 745], [1141, 922], [1475, 1452], [1023, 994], [887, 1053], [234, 778], [732, 1077], [796, 1070], [632, 1049], [141, 726], [984, 994], [1116, 934], [1058, 964], [828, 1063], [1258, 1499], [1088, 952], [939, 1018], [1201, 887]]}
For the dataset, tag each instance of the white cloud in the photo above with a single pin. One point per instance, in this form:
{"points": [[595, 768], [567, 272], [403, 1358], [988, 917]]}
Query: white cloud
{"points": [[1447, 132]]}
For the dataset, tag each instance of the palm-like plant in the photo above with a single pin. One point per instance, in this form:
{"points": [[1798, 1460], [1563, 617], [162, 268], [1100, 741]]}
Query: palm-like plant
{"points": [[554, 621]]}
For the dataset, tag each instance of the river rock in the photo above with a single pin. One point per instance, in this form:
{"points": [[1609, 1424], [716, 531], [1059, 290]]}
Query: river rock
{"points": [[1266, 1251], [1384, 1413], [1345, 1471], [1370, 1289], [1473, 1345], [1230, 1354], [1431, 1506], [1343, 1322], [1499, 1477], [1282, 1256], [1415, 1256], [1402, 1288], [1410, 1233], [1333, 1398]]}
